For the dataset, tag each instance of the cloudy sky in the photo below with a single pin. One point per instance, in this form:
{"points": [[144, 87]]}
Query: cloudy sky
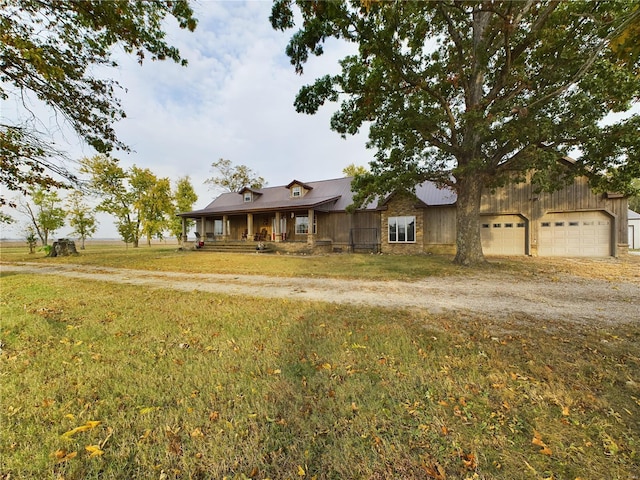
{"points": [[234, 100]]}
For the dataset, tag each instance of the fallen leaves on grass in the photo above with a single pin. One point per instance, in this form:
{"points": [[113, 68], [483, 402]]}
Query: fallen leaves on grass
{"points": [[435, 470], [537, 440], [91, 424], [62, 455], [94, 450]]}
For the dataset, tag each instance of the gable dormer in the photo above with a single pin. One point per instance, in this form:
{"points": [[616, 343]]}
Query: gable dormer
{"points": [[298, 189], [249, 195]]}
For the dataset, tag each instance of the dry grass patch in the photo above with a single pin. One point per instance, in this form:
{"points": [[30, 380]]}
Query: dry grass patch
{"points": [[191, 385], [349, 266]]}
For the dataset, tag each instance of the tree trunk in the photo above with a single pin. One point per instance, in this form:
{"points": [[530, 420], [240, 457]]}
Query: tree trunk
{"points": [[468, 245]]}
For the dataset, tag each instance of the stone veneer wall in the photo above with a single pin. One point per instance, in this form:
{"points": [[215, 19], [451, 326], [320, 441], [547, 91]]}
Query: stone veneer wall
{"points": [[402, 205]]}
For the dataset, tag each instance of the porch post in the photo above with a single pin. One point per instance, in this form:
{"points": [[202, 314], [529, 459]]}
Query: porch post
{"points": [[276, 229], [184, 229], [202, 227], [311, 236], [249, 226], [225, 234]]}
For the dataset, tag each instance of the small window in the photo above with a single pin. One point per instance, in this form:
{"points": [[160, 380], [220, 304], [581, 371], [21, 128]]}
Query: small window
{"points": [[546, 224], [520, 225], [587, 223], [497, 225], [485, 225], [559, 224], [296, 192], [574, 224], [508, 225], [247, 197]]}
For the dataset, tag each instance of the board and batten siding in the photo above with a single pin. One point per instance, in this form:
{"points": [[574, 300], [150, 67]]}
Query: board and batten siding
{"points": [[523, 202], [337, 226], [440, 229], [521, 199]]}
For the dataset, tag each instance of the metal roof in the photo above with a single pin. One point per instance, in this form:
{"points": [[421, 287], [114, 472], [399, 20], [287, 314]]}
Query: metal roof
{"points": [[326, 195]]}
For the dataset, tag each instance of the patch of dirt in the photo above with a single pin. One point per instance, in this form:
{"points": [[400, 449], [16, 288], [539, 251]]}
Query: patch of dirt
{"points": [[564, 297]]}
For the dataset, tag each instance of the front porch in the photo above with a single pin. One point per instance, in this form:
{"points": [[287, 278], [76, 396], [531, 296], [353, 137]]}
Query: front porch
{"points": [[274, 227]]}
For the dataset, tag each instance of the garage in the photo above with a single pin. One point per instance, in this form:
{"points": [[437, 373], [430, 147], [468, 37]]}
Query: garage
{"points": [[503, 235], [575, 234]]}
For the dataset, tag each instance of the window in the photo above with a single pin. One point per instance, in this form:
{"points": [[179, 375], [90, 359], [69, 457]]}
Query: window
{"points": [[574, 224], [247, 197], [520, 225], [402, 229], [546, 224], [296, 192], [485, 225], [559, 224], [302, 225], [217, 227], [508, 225], [497, 225]]}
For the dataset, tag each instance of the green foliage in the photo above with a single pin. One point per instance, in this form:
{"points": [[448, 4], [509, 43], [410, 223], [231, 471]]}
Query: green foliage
{"points": [[233, 178], [4, 218], [153, 201], [44, 213], [626, 46], [108, 181], [81, 217], [634, 200], [138, 200], [31, 238], [57, 67], [471, 95], [353, 170], [184, 197]]}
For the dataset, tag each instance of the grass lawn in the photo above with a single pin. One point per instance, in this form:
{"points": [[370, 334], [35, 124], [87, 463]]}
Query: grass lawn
{"points": [[105, 381]]}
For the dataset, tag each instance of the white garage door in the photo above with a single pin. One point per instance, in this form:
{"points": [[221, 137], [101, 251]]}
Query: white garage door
{"points": [[575, 234], [503, 235]]}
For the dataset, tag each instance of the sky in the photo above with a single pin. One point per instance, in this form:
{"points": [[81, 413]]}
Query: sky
{"points": [[234, 100]]}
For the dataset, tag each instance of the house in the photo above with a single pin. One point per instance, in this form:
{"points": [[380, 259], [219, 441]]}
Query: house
{"points": [[634, 229], [515, 220]]}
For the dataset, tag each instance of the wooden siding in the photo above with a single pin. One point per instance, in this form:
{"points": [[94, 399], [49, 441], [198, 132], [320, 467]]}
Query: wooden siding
{"points": [[440, 225], [337, 227], [577, 197]]}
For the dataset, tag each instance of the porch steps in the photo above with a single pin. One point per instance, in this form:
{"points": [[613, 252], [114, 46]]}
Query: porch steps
{"points": [[236, 247]]}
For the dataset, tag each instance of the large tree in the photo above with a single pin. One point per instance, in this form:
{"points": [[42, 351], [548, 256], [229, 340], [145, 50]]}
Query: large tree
{"points": [[472, 94], [153, 201], [232, 178], [139, 201], [50, 51], [184, 197]]}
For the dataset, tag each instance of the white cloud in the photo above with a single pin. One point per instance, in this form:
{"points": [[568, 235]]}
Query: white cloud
{"points": [[234, 100]]}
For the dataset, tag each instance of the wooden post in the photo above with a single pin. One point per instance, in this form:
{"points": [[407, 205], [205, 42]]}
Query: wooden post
{"points": [[311, 235], [250, 226]]}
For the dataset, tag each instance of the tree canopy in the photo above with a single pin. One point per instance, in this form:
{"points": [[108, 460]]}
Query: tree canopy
{"points": [[137, 199], [472, 94], [184, 197], [50, 50], [232, 178]]}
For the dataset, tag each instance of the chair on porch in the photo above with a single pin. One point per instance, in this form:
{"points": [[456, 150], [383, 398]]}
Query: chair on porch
{"points": [[260, 237], [245, 235]]}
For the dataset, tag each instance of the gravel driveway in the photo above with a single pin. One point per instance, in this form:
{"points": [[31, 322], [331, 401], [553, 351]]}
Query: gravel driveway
{"points": [[568, 298]]}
